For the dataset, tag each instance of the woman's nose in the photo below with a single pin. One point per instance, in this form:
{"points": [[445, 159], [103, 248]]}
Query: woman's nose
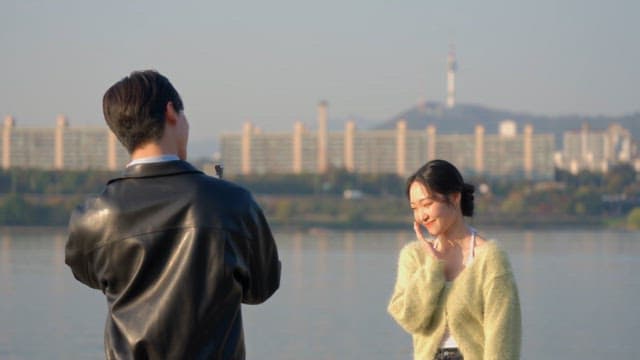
{"points": [[423, 214]]}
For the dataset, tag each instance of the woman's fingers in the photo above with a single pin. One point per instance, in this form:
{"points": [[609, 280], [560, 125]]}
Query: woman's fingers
{"points": [[416, 228], [428, 245]]}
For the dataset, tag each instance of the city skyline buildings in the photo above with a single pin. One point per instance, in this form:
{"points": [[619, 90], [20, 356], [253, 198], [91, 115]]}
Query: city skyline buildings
{"points": [[60, 148], [506, 153], [509, 153]]}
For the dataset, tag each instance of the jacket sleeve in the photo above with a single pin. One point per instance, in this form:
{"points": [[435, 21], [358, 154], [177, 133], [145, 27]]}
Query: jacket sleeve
{"points": [[503, 324], [76, 252], [417, 292], [262, 258]]}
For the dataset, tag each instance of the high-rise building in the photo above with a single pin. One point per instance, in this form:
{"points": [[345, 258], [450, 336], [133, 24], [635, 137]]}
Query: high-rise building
{"points": [[323, 139], [60, 147], [391, 151], [597, 150], [523, 155]]}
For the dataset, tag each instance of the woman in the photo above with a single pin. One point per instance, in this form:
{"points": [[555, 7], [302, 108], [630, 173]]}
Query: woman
{"points": [[456, 295]]}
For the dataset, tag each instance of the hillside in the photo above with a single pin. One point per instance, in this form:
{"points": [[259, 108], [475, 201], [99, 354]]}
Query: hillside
{"points": [[464, 117]]}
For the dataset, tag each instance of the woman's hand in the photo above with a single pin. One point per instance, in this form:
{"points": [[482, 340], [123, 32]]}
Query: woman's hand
{"points": [[429, 246]]}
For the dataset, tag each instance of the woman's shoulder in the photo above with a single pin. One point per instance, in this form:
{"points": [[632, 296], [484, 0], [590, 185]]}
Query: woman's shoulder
{"points": [[413, 256], [493, 254], [412, 251], [412, 248]]}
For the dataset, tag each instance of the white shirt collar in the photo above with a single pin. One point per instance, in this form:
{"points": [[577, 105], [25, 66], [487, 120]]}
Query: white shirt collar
{"points": [[154, 159]]}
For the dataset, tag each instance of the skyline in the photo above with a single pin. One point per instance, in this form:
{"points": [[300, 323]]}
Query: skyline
{"points": [[272, 63]]}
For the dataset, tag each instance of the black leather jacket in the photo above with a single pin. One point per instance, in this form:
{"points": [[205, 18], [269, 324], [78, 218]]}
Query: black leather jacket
{"points": [[175, 252]]}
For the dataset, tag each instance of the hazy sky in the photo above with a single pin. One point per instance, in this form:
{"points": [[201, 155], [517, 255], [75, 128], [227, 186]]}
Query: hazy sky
{"points": [[270, 62]]}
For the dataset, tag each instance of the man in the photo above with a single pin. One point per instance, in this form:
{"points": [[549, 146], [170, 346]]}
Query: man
{"points": [[174, 251]]}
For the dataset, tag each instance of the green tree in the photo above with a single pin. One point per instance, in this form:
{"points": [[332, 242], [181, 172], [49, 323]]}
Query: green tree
{"points": [[587, 200], [633, 219], [619, 177], [353, 213], [14, 210], [513, 204], [283, 210]]}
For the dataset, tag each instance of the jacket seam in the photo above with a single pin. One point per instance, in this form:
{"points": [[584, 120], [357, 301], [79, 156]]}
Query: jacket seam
{"points": [[103, 244]]}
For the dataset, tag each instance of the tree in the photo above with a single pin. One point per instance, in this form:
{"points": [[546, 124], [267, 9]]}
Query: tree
{"points": [[15, 210], [587, 200], [514, 203], [283, 210], [633, 219], [619, 177]]}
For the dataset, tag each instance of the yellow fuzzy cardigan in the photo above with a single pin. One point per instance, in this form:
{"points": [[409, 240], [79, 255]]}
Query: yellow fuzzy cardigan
{"points": [[480, 307]]}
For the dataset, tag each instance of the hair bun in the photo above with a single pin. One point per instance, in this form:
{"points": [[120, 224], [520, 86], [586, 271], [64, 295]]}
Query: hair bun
{"points": [[466, 201]]}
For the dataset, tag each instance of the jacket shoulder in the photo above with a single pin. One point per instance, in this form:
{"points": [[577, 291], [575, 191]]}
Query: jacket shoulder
{"points": [[225, 192], [92, 211]]}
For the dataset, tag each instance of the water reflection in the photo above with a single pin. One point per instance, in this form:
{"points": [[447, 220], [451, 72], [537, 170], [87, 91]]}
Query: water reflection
{"points": [[528, 243], [6, 289], [59, 268], [335, 256], [5, 263], [320, 271], [297, 260], [332, 299], [349, 260], [577, 287]]}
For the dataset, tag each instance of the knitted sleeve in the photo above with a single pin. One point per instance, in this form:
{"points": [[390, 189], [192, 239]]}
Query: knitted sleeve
{"points": [[418, 290], [503, 324]]}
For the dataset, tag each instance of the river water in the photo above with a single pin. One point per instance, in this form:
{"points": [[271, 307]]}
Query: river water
{"points": [[579, 289]]}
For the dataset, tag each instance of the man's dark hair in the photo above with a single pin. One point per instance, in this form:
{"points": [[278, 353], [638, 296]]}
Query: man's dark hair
{"points": [[442, 177], [134, 107]]}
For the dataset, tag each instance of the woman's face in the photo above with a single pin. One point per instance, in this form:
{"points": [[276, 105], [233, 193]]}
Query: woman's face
{"points": [[434, 211]]}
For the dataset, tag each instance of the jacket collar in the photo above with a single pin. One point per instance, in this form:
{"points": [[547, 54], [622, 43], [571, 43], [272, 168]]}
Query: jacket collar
{"points": [[157, 169]]}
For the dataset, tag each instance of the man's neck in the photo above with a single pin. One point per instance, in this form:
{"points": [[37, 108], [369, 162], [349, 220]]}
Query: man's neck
{"points": [[151, 150]]}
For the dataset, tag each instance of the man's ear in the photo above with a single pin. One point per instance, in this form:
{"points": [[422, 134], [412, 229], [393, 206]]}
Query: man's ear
{"points": [[170, 113]]}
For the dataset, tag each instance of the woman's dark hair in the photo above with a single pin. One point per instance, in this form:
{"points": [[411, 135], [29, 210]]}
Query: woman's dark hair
{"points": [[442, 177], [134, 107]]}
